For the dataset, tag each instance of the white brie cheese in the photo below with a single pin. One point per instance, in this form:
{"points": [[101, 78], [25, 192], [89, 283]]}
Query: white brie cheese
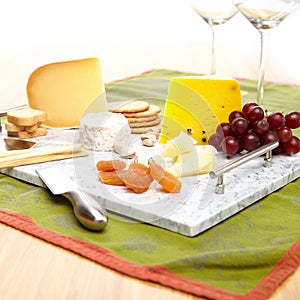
{"points": [[100, 131]]}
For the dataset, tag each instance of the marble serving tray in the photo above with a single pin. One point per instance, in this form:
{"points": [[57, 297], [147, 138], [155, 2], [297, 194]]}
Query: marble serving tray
{"points": [[195, 209]]}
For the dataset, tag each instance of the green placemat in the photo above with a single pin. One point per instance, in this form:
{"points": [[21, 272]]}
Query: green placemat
{"points": [[241, 256]]}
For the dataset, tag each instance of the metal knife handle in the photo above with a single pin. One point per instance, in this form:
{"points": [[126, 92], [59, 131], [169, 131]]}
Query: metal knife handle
{"points": [[219, 172], [88, 211]]}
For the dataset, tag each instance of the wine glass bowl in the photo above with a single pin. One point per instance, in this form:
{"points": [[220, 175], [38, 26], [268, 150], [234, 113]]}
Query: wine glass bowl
{"points": [[265, 15], [214, 13]]}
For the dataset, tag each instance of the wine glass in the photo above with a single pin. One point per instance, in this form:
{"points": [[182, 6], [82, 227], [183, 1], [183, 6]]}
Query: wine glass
{"points": [[265, 15], [215, 13]]}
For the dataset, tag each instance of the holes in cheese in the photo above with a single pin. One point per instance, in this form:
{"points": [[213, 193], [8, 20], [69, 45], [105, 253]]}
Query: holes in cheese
{"points": [[197, 104], [67, 90]]}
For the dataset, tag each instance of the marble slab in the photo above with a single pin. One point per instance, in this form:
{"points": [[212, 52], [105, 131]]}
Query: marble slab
{"points": [[195, 209]]}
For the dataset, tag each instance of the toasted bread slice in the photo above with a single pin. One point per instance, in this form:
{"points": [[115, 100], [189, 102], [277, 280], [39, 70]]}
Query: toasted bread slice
{"points": [[11, 127], [27, 135], [13, 133], [26, 116]]}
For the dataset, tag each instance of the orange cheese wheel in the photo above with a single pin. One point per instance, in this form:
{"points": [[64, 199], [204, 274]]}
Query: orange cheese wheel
{"points": [[66, 91]]}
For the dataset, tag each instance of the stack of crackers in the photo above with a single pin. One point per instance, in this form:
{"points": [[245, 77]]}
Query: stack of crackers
{"points": [[25, 123], [142, 117]]}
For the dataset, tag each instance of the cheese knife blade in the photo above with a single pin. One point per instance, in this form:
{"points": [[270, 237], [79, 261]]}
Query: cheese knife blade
{"points": [[17, 144], [87, 209]]}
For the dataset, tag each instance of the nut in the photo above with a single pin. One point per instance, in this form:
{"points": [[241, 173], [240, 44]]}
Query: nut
{"points": [[148, 135], [155, 131], [148, 139], [130, 154], [148, 142]]}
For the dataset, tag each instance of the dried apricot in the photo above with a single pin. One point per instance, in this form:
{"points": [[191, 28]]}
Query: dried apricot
{"points": [[110, 165], [167, 180], [138, 178], [112, 177]]}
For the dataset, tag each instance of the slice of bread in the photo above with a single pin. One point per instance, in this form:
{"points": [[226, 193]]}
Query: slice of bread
{"points": [[27, 135], [13, 133], [11, 127], [26, 117]]}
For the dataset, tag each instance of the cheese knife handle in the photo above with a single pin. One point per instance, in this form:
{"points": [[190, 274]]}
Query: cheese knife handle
{"points": [[88, 211]]}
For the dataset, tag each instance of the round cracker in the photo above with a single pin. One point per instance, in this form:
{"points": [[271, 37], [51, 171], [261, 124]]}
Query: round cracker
{"points": [[141, 130], [154, 122], [151, 111], [142, 119], [130, 107]]}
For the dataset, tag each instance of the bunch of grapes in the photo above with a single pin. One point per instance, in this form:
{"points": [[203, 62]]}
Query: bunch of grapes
{"points": [[250, 128]]}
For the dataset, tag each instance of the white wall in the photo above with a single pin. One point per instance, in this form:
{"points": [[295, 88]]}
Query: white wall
{"points": [[131, 36]]}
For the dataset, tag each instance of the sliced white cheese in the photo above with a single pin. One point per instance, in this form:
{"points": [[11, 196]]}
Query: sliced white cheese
{"points": [[178, 145], [201, 160]]}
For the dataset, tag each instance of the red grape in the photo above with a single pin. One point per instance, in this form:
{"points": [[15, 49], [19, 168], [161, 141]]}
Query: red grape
{"points": [[249, 128], [269, 137], [223, 130], [239, 126], [292, 119], [261, 127], [292, 146], [249, 141], [275, 120], [255, 113], [248, 106], [278, 150], [236, 114], [284, 133], [215, 141], [230, 145]]}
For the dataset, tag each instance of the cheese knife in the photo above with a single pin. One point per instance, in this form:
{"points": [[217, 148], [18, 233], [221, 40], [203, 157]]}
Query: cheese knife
{"points": [[18, 144], [87, 209]]}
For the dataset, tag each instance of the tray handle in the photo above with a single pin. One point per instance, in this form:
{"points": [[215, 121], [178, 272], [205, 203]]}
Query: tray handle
{"points": [[219, 172]]}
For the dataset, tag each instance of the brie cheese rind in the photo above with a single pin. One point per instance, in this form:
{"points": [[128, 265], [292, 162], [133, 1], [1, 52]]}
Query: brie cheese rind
{"points": [[101, 131]]}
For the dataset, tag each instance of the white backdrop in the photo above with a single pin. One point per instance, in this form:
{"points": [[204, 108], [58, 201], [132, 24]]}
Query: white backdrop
{"points": [[131, 36]]}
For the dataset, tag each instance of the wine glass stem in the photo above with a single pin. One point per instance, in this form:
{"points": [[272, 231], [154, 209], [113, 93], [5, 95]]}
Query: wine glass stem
{"points": [[262, 67], [213, 54]]}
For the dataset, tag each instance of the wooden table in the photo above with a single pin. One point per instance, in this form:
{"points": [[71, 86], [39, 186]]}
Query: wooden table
{"points": [[33, 269]]}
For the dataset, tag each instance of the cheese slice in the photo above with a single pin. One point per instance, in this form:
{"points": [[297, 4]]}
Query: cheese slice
{"points": [[197, 104], [67, 90], [178, 145], [201, 160]]}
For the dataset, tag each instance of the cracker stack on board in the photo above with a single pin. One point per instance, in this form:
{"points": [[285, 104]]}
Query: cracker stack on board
{"points": [[25, 123], [142, 117]]}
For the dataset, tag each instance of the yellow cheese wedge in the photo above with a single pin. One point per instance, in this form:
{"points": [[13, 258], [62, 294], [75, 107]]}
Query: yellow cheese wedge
{"points": [[197, 104], [67, 90]]}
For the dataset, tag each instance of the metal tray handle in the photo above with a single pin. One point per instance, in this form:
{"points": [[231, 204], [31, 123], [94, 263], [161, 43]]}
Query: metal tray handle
{"points": [[219, 172]]}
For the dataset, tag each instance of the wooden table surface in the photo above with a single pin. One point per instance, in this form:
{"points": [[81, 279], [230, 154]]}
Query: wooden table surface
{"points": [[33, 269]]}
